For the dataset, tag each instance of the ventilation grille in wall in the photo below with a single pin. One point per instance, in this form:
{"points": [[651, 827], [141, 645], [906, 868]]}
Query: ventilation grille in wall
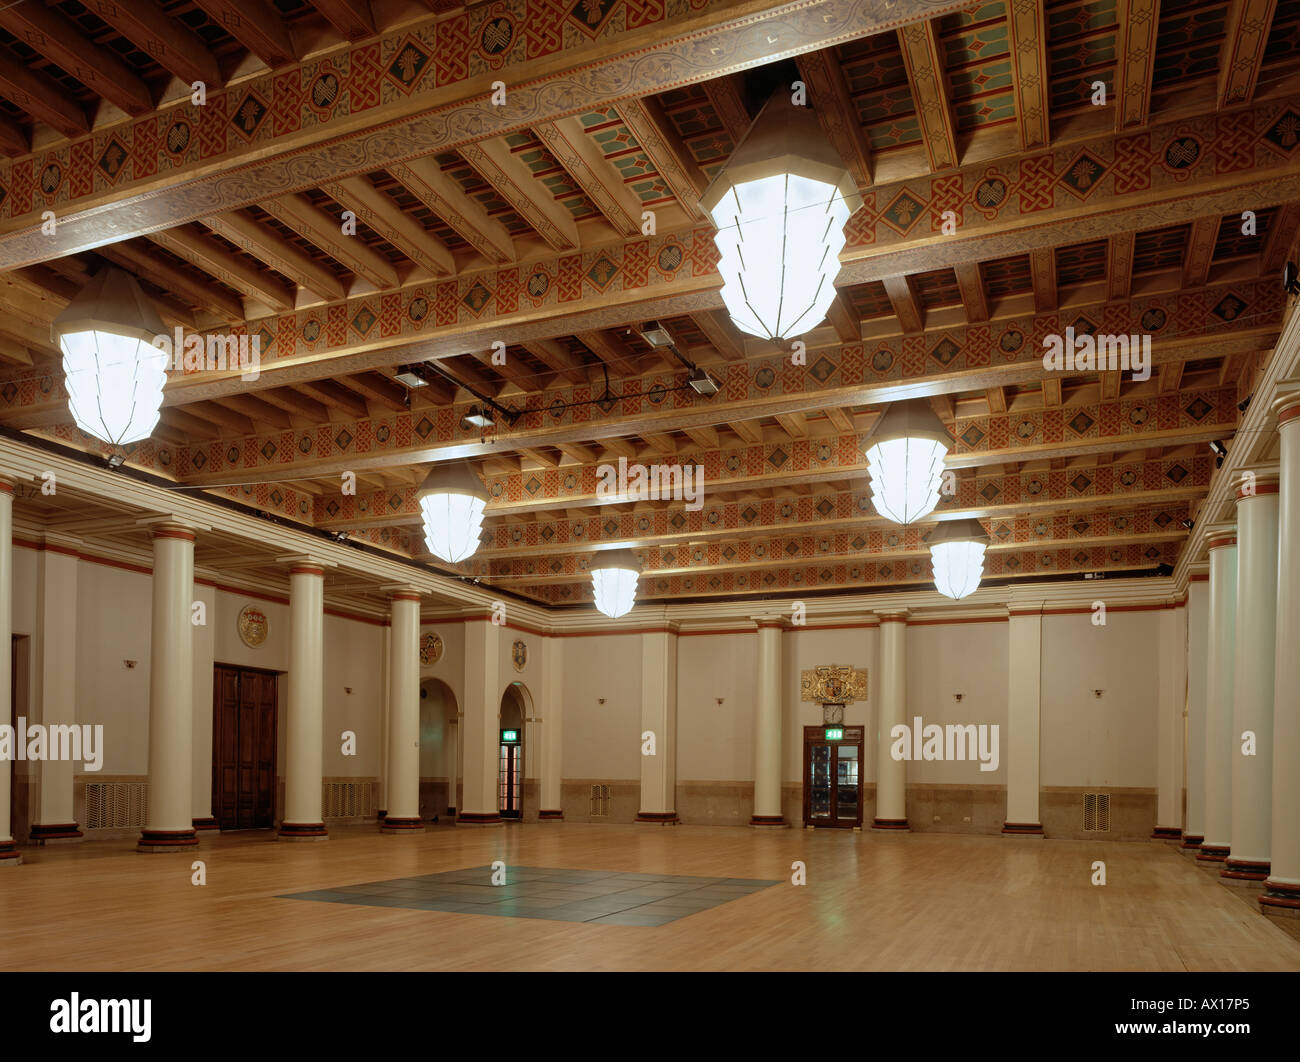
{"points": [[348, 800], [116, 805], [1096, 811], [599, 801]]}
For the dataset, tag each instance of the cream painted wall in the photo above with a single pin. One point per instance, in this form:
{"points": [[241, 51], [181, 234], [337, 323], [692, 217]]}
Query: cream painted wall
{"points": [[602, 740], [354, 658], [113, 608], [715, 742], [437, 706], [802, 649], [966, 658], [531, 681], [450, 667], [1106, 741]]}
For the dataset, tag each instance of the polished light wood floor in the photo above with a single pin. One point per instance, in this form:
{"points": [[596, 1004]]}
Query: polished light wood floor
{"points": [[872, 902]]}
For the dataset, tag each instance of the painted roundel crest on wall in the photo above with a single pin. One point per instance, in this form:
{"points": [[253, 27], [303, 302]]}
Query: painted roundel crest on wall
{"points": [[519, 655], [253, 626], [430, 649]]}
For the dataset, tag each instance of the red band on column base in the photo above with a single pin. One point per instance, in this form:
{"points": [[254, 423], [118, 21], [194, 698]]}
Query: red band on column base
{"points": [[1166, 833], [393, 824], [1025, 829], [1192, 841], [1245, 869], [296, 831], [661, 817], [55, 831], [1213, 853], [166, 840], [206, 824], [9, 854], [767, 820], [479, 818], [1281, 895], [550, 816], [889, 824]]}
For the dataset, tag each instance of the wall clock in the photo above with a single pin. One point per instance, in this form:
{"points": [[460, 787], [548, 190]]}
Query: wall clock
{"points": [[833, 714]]}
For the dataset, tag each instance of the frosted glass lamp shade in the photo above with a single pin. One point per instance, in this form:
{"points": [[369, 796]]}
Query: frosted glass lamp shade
{"points": [[613, 579], [957, 555], [113, 372], [452, 500], [905, 462]]}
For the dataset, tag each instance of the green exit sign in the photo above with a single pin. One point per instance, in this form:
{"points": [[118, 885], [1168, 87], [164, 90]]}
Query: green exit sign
{"points": [[834, 733], [510, 735]]}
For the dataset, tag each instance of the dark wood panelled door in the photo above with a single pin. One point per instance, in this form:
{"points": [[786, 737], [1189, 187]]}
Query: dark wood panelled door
{"points": [[243, 748], [832, 776]]}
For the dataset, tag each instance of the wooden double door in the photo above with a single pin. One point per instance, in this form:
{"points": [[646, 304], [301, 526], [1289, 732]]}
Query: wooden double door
{"points": [[832, 776], [243, 747]]}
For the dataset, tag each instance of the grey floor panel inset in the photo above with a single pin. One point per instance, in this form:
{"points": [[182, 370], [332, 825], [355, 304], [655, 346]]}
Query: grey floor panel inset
{"points": [[598, 897]]}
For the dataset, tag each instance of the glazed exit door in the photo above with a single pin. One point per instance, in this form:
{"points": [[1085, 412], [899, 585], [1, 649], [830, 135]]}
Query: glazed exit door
{"points": [[832, 776], [510, 782], [243, 748]]}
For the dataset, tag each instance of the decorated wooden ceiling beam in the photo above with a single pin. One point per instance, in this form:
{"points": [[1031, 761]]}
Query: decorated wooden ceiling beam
{"points": [[256, 25], [839, 574], [396, 226], [1027, 43], [923, 58], [166, 39], [645, 120], [418, 90], [273, 250], [512, 179], [583, 160], [836, 112], [201, 251], [42, 98], [325, 231], [1244, 42], [1139, 23], [998, 497]]}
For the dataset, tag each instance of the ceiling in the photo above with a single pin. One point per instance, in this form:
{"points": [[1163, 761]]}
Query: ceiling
{"points": [[524, 225]]}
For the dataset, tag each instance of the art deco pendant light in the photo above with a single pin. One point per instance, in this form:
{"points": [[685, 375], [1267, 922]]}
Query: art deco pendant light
{"points": [[780, 205], [957, 554], [113, 373], [452, 499], [905, 461], [613, 579]]}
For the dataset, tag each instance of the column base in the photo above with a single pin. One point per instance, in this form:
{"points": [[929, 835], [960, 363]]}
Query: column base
{"points": [[890, 824], [9, 854], [382, 815], [396, 824], [206, 825], [1247, 872], [550, 816], [480, 818], [1213, 853], [1192, 842], [1281, 899], [302, 831], [663, 818], [1166, 833], [1023, 829], [55, 833], [451, 813], [167, 840], [768, 821]]}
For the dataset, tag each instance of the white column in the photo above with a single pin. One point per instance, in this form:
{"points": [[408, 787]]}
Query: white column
{"points": [[658, 718], [1024, 720], [386, 714], [1252, 698], [54, 686], [171, 694], [1198, 609], [767, 727], [552, 730], [1221, 639], [891, 774], [480, 729], [1282, 889], [204, 658], [305, 711], [1170, 704], [404, 715], [9, 854]]}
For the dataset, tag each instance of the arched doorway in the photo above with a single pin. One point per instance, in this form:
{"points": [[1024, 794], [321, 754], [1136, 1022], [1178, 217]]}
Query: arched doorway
{"points": [[516, 710], [439, 750]]}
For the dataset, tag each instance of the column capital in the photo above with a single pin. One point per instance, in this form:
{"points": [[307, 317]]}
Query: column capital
{"points": [[898, 615], [1255, 480], [1286, 401], [1220, 535], [305, 563], [402, 592], [171, 526], [778, 622]]}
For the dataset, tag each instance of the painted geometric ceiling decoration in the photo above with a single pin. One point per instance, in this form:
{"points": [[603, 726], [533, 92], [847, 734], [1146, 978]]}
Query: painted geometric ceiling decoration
{"points": [[481, 231]]}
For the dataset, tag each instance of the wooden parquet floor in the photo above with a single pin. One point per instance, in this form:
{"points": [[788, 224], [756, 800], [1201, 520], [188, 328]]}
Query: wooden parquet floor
{"points": [[871, 902]]}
